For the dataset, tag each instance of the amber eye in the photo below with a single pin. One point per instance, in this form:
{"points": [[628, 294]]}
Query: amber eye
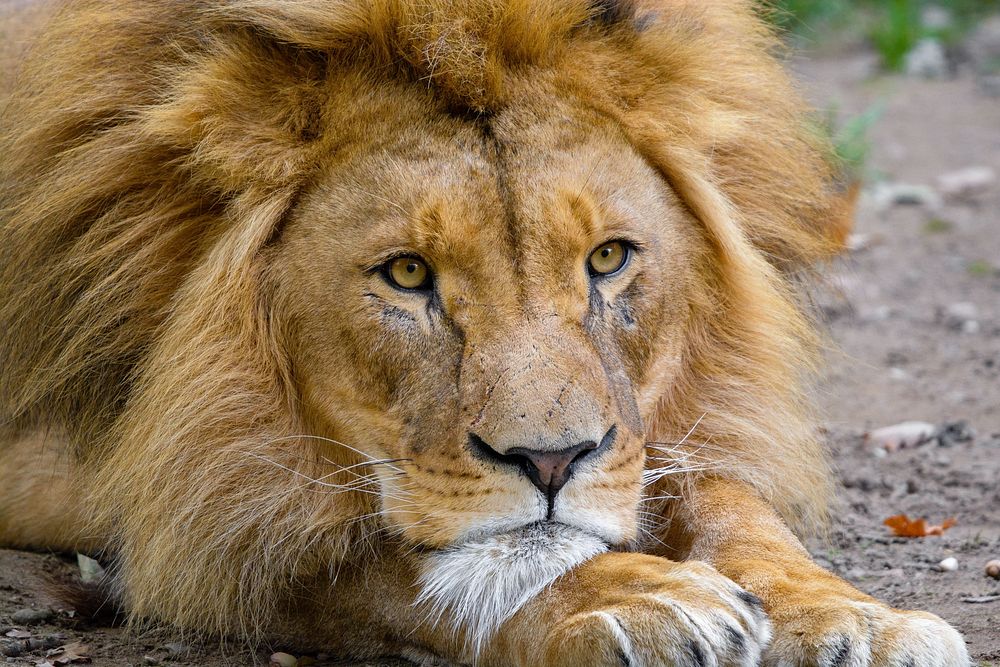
{"points": [[609, 258], [408, 273]]}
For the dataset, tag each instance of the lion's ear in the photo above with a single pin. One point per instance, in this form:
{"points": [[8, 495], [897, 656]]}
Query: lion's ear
{"points": [[246, 111]]}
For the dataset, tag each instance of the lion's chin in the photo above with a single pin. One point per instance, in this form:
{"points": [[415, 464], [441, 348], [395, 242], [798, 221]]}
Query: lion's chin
{"points": [[479, 584]]}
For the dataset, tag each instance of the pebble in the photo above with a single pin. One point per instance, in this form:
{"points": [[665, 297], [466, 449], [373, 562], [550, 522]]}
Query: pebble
{"points": [[177, 649], [31, 616], [928, 59], [983, 45], [899, 436], [149, 660], [899, 374], [858, 242], [965, 182], [993, 569], [91, 571], [958, 315], [283, 660], [953, 433], [935, 17], [947, 565], [887, 195]]}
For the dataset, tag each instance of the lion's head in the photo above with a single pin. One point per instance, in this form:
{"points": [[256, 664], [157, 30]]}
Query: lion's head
{"points": [[433, 270], [512, 296]]}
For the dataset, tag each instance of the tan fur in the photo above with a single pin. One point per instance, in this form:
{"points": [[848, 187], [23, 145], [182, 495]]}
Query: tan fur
{"points": [[194, 195], [41, 502]]}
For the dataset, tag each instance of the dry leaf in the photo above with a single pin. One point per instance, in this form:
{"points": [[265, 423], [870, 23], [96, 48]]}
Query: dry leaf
{"points": [[75, 653], [903, 526], [18, 634]]}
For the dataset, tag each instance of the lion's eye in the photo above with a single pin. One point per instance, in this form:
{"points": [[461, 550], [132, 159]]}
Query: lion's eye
{"points": [[610, 258], [408, 273]]}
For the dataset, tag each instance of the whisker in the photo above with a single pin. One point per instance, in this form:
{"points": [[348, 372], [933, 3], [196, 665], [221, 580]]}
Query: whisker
{"points": [[338, 443], [668, 496], [696, 425], [341, 488]]}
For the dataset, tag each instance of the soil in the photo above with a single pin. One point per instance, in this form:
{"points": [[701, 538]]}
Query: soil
{"points": [[900, 350]]}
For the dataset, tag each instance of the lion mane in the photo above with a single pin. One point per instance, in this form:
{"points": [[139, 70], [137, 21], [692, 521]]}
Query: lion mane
{"points": [[153, 150]]}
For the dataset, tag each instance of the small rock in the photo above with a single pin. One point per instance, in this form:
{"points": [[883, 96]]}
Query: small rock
{"points": [[53, 641], [887, 195], [177, 649], [993, 569], [283, 660], [11, 650], [898, 374], [956, 315], [935, 17], [875, 314], [928, 60], [966, 182], [858, 242], [947, 565], [983, 45], [150, 660], [952, 433], [906, 434], [31, 616], [91, 571]]}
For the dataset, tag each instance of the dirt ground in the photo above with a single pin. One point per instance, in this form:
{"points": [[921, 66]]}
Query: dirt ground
{"points": [[915, 314], [914, 318]]}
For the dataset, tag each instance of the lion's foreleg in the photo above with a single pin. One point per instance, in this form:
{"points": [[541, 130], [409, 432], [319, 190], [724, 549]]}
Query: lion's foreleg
{"points": [[818, 618]]}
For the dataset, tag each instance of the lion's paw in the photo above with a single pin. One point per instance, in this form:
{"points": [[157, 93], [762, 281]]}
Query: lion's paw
{"points": [[696, 617], [852, 633]]}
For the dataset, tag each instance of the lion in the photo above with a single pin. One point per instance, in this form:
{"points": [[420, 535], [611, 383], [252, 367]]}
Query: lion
{"points": [[467, 330]]}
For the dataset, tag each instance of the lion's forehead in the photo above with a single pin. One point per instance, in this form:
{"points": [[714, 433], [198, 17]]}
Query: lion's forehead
{"points": [[517, 201]]}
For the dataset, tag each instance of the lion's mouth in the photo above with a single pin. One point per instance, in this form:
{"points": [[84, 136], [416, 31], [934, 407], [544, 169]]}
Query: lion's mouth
{"points": [[532, 539]]}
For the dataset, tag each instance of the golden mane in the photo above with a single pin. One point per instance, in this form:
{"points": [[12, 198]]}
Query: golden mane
{"points": [[152, 150]]}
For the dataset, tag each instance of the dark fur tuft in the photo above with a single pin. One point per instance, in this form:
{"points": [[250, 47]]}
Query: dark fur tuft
{"points": [[614, 12], [94, 603]]}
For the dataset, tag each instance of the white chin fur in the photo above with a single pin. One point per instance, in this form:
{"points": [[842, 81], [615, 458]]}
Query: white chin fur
{"points": [[477, 586]]}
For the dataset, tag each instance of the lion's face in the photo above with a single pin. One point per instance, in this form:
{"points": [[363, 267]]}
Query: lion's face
{"points": [[495, 303]]}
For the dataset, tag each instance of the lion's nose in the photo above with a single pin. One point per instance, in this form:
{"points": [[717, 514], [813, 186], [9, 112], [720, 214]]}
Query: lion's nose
{"points": [[548, 470]]}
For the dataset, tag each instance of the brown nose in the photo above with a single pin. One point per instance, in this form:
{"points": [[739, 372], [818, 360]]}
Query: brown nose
{"points": [[548, 470]]}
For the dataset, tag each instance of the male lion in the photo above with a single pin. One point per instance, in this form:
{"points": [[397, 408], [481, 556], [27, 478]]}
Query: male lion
{"points": [[457, 328]]}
